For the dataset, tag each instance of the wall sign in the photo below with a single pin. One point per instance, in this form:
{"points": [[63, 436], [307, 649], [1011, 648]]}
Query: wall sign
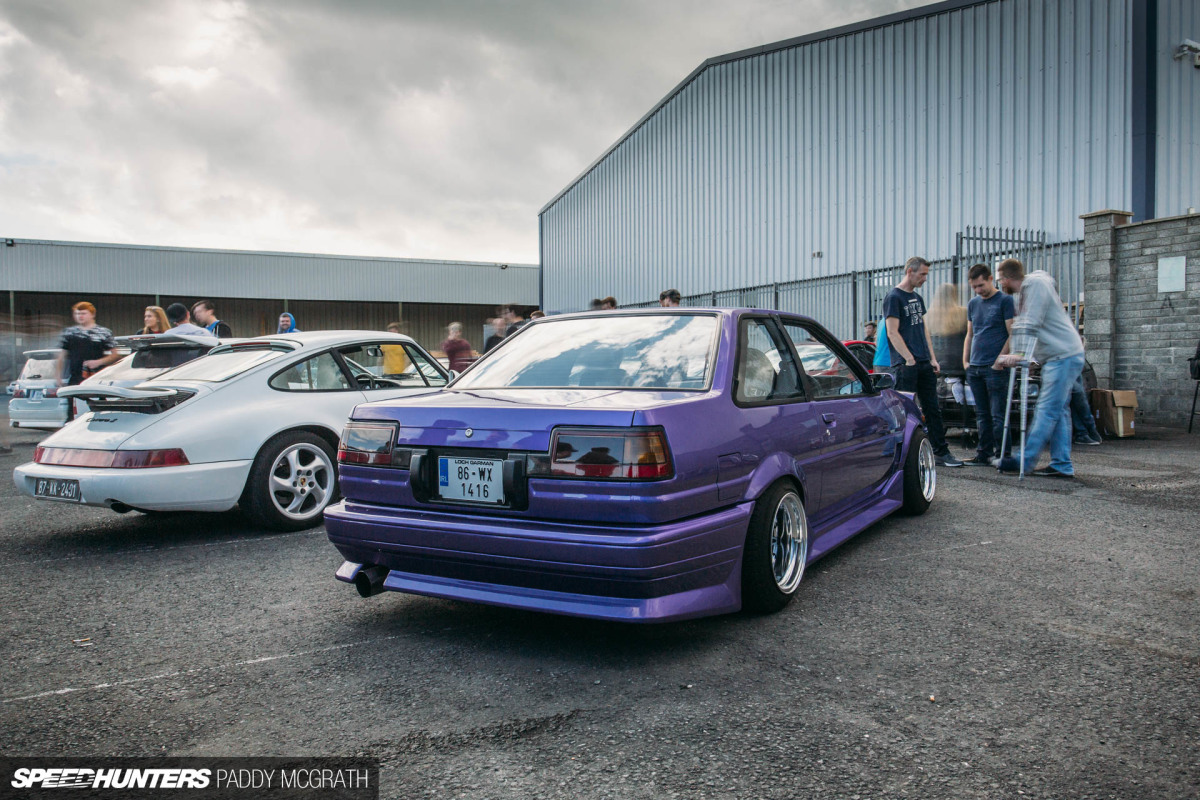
{"points": [[1171, 274]]}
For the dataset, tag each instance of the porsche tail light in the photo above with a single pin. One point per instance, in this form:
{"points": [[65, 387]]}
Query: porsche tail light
{"points": [[621, 454], [114, 459], [18, 392], [371, 444]]}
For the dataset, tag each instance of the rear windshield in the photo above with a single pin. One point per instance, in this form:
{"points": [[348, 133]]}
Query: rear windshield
{"points": [[652, 351], [145, 363], [37, 368], [220, 366]]}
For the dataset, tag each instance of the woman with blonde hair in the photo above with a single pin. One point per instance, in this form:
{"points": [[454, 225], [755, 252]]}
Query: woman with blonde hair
{"points": [[155, 319]]}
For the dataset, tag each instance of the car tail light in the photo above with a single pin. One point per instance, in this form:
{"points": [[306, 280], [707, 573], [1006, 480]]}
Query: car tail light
{"points": [[605, 454], [372, 445], [18, 392], [51, 392], [116, 459], [147, 459]]}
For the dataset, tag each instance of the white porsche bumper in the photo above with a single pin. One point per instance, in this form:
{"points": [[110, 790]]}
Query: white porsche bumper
{"points": [[196, 487]]}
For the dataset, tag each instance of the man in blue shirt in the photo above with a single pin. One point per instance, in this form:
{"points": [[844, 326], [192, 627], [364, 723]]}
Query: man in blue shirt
{"points": [[989, 323], [912, 353]]}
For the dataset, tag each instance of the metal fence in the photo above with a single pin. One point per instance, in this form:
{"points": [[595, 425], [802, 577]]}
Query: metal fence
{"points": [[843, 303]]}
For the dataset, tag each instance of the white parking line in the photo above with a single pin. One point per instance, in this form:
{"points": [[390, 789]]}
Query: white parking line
{"points": [[923, 553], [163, 549], [183, 672]]}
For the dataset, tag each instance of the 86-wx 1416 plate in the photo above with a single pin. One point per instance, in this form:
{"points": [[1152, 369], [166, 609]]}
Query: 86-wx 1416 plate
{"points": [[57, 489], [471, 480]]}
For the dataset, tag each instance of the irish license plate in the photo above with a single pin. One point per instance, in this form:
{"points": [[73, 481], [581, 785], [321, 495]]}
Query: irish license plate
{"points": [[57, 489], [471, 480]]}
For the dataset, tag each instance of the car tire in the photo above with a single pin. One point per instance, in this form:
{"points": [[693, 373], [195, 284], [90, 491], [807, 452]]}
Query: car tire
{"points": [[293, 479], [776, 549], [920, 475]]}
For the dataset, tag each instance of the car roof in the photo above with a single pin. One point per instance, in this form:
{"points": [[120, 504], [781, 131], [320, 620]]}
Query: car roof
{"points": [[723, 311]]}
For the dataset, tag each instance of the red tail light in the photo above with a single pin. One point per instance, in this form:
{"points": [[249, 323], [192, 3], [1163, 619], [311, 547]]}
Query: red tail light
{"points": [[114, 459], [18, 392], [368, 444], [51, 392], [606, 454]]}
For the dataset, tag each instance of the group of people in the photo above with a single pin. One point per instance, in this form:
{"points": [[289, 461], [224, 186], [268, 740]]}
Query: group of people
{"points": [[1018, 322], [509, 319], [177, 319]]}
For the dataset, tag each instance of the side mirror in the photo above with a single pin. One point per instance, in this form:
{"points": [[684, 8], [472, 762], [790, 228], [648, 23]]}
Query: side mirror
{"points": [[454, 374], [882, 380]]}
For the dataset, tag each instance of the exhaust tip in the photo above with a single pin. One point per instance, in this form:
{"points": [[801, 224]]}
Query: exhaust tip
{"points": [[369, 580], [120, 508]]}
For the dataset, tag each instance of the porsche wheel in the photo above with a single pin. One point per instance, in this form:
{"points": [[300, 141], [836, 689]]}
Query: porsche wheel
{"points": [[293, 479], [776, 549]]}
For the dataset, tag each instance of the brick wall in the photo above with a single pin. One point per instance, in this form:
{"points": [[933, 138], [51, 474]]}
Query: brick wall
{"points": [[1139, 338]]}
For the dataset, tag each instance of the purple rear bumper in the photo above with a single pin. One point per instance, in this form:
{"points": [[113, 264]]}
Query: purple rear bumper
{"points": [[683, 569]]}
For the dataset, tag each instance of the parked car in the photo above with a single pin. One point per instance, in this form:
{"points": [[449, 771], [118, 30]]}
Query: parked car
{"points": [[254, 422], [635, 465], [39, 404], [863, 351], [35, 402]]}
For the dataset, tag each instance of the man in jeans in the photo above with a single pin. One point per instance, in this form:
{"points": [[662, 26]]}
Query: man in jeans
{"points": [[1044, 332], [912, 353], [989, 323]]}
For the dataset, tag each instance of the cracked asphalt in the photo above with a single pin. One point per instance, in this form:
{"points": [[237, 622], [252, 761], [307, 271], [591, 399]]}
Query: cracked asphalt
{"points": [[1023, 640]]}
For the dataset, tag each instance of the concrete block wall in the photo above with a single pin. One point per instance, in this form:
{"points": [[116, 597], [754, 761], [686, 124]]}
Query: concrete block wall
{"points": [[1139, 338]]}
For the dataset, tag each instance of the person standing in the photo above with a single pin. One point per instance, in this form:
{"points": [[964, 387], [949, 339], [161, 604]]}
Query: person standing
{"points": [[84, 348], [456, 348], [989, 322], [395, 358], [1043, 332], [912, 353], [287, 324], [497, 336], [155, 320], [181, 321], [870, 331], [204, 313], [883, 354], [669, 298], [514, 317]]}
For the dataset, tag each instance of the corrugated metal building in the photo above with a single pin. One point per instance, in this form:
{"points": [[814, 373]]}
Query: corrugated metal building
{"points": [[852, 149], [42, 279]]}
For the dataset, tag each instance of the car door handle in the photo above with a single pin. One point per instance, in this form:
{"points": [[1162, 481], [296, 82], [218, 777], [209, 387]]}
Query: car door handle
{"points": [[829, 419]]}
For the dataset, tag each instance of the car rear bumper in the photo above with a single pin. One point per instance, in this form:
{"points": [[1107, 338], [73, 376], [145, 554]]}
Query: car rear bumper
{"points": [[196, 487], [48, 413], [679, 570]]}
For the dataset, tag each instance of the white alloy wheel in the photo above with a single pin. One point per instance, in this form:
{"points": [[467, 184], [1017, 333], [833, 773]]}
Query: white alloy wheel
{"points": [[301, 481]]}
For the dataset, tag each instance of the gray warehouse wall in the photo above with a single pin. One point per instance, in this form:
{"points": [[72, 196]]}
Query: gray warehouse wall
{"points": [[854, 150]]}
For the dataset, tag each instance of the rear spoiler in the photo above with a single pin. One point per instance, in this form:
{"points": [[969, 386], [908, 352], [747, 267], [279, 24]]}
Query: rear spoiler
{"points": [[144, 399], [143, 341]]}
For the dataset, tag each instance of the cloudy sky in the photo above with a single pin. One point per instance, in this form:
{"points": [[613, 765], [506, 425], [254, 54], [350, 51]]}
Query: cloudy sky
{"points": [[400, 128]]}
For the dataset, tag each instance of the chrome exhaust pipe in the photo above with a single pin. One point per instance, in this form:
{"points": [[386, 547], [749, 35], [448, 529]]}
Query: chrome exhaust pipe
{"points": [[369, 580]]}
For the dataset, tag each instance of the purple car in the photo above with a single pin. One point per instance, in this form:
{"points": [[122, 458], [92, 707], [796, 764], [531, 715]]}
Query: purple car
{"points": [[635, 465]]}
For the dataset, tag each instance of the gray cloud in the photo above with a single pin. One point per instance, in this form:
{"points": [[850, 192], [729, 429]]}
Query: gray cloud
{"points": [[414, 129]]}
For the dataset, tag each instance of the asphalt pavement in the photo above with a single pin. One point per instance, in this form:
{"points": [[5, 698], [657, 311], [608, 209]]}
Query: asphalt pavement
{"points": [[1023, 640]]}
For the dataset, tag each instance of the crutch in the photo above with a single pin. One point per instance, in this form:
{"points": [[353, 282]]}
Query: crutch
{"points": [[1012, 380]]}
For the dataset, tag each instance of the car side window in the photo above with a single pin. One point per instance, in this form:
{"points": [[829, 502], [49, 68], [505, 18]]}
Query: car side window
{"points": [[764, 371], [826, 375], [389, 365], [317, 374]]}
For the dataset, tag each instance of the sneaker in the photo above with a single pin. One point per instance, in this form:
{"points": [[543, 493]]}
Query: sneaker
{"points": [[947, 459], [980, 460], [1050, 472], [1088, 440]]}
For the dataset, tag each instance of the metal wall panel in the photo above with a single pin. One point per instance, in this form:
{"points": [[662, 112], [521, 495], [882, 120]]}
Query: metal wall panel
{"points": [[1178, 143], [46, 266], [855, 152]]}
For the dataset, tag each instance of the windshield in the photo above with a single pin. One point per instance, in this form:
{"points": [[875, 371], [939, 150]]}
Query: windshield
{"points": [[36, 368], [669, 351], [221, 366], [151, 361]]}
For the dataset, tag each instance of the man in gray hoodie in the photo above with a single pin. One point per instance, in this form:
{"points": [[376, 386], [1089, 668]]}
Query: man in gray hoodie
{"points": [[1042, 331]]}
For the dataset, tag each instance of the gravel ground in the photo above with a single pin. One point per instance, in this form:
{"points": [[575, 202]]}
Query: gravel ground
{"points": [[1020, 640]]}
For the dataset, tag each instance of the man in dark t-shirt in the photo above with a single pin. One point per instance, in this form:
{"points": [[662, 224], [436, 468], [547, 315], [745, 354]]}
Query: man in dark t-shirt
{"points": [[989, 323], [912, 353]]}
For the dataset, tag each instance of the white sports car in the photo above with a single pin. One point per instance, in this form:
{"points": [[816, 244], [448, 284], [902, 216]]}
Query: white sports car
{"points": [[255, 422]]}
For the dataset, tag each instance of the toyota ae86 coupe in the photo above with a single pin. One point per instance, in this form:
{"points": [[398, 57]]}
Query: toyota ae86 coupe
{"points": [[636, 465]]}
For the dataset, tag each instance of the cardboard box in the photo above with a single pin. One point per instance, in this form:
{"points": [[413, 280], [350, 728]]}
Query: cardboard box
{"points": [[1115, 409]]}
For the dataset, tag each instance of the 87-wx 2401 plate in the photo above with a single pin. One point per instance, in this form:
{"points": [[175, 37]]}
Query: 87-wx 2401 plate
{"points": [[471, 480], [57, 489]]}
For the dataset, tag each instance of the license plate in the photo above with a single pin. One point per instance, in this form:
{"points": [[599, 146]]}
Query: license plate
{"points": [[35, 395], [471, 480], [57, 489]]}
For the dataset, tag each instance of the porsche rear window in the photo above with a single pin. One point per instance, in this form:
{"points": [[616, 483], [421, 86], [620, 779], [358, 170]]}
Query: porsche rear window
{"points": [[668, 351], [220, 366]]}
